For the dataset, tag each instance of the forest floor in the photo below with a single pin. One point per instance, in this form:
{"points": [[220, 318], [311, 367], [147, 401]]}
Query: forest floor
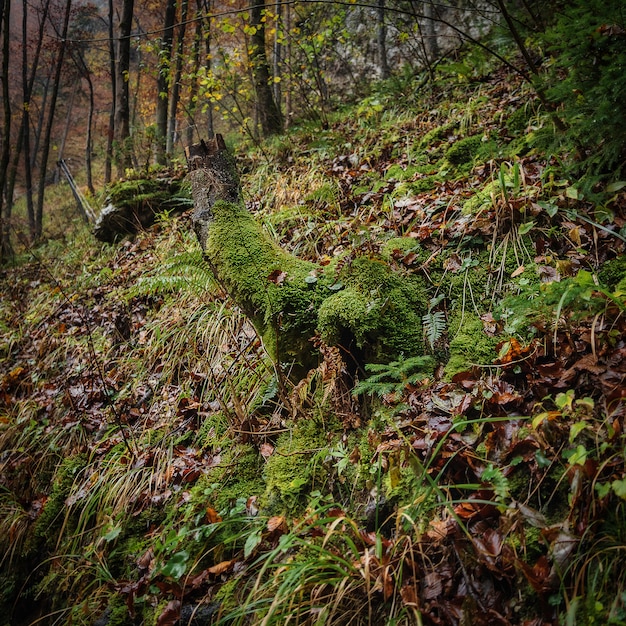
{"points": [[158, 468]]}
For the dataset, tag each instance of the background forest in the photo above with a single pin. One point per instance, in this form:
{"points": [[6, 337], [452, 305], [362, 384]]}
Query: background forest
{"points": [[161, 465]]}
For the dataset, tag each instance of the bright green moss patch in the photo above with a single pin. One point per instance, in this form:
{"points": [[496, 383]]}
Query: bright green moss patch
{"points": [[295, 468], [470, 346], [465, 150], [613, 272]]}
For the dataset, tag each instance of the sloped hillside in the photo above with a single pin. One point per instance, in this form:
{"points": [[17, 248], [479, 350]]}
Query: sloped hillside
{"points": [[159, 468]]}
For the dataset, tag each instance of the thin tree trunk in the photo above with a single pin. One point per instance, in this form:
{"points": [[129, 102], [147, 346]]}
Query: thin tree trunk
{"points": [[193, 90], [289, 64], [89, 139], [175, 93], [431, 43], [382, 41], [66, 130], [5, 240], [111, 128], [39, 129], [267, 109], [23, 137], [278, 53], [45, 149], [163, 81], [209, 56], [122, 105]]}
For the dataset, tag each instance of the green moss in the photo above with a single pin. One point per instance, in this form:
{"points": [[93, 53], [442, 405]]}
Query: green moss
{"points": [[482, 199], [265, 281], [159, 193], [239, 477], [613, 273], [437, 135], [293, 470], [425, 184], [517, 122], [44, 535], [470, 345], [380, 309], [465, 150], [228, 596]]}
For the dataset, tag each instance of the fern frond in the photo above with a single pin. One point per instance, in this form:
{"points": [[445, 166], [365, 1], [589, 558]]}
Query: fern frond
{"points": [[434, 326], [183, 272], [395, 376]]}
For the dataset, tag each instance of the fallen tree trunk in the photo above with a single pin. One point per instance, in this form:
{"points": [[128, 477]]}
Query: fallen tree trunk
{"points": [[360, 305]]}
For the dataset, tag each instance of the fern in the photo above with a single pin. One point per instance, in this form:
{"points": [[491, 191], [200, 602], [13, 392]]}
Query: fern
{"points": [[395, 376], [434, 326], [183, 272], [498, 481]]}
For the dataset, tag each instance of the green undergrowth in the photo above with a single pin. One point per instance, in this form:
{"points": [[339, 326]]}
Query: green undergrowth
{"points": [[453, 441]]}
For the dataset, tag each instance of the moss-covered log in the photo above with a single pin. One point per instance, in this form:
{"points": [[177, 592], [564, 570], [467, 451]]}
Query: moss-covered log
{"points": [[361, 305]]}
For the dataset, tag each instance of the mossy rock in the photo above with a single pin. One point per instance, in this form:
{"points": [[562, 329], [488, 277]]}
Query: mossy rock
{"points": [[379, 312], [294, 468], [437, 135]]}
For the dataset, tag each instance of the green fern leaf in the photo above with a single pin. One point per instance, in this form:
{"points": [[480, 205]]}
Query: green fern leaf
{"points": [[434, 326]]}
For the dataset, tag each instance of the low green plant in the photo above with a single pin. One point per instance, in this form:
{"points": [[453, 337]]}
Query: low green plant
{"points": [[394, 377]]}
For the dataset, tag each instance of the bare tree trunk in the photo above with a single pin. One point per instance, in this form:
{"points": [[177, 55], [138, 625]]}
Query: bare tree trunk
{"points": [[278, 52], [122, 105], [5, 16], [163, 81], [430, 34], [175, 93], [267, 109], [66, 130], [89, 138], [45, 149], [288, 63], [209, 56], [193, 90], [382, 41], [23, 137], [111, 128]]}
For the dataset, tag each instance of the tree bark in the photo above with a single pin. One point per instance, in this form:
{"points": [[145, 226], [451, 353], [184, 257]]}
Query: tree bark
{"points": [[122, 100], [5, 16], [382, 41], [111, 129], [45, 149], [163, 81], [193, 89], [175, 93], [267, 110], [274, 288]]}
